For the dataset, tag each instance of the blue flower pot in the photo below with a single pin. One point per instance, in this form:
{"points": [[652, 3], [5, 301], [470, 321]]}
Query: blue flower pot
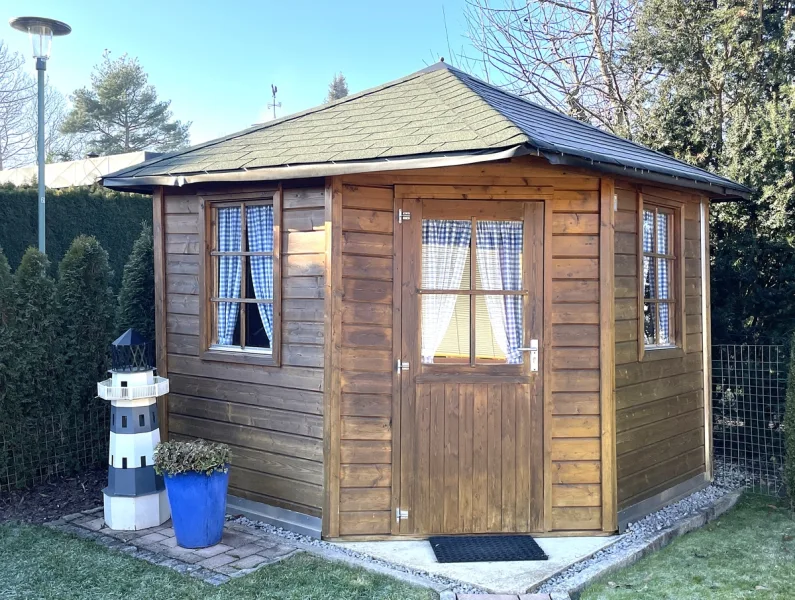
{"points": [[198, 507]]}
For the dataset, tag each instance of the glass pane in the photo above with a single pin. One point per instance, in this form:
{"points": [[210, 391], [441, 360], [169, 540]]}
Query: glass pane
{"points": [[445, 328], [649, 279], [663, 278], [664, 220], [648, 230], [499, 255], [259, 228], [445, 254], [228, 319], [665, 328], [229, 229], [650, 324], [256, 334], [498, 329]]}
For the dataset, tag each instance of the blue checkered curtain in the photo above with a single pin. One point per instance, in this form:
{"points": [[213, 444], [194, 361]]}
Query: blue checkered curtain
{"points": [[499, 262], [445, 245], [229, 272], [259, 226], [663, 220]]}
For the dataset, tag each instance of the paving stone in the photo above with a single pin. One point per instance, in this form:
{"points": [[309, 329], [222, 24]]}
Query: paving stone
{"points": [[235, 539], [94, 524], [170, 563], [72, 517], [250, 561], [217, 579], [487, 597], [219, 560], [202, 574], [93, 511], [226, 570], [244, 551], [168, 532], [183, 554], [150, 538], [211, 550], [170, 542], [533, 596]]}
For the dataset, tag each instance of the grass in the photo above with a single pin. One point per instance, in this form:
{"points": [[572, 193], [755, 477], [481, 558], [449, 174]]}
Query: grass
{"points": [[40, 563], [747, 553]]}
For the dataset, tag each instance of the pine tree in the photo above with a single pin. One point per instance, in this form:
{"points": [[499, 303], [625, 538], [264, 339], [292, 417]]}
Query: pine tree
{"points": [[789, 427], [338, 88], [137, 294], [34, 365], [120, 112], [86, 319]]}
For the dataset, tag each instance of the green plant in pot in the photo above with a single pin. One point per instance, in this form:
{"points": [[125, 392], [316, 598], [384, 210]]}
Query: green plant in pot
{"points": [[196, 474]]}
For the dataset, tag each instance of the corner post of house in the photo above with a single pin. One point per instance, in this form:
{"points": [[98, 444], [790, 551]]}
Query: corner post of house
{"points": [[161, 344], [607, 348], [706, 334], [332, 315]]}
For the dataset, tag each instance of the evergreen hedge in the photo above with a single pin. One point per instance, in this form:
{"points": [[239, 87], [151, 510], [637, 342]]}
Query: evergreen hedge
{"points": [[136, 307], [114, 218]]}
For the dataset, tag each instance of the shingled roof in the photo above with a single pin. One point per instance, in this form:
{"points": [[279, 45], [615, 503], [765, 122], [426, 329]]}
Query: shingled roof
{"points": [[437, 116]]}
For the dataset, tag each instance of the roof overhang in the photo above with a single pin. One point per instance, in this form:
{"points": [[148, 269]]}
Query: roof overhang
{"points": [[147, 182]]}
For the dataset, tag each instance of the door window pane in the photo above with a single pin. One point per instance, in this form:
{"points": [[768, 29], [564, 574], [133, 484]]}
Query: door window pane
{"points": [[499, 255], [499, 329], [445, 254], [445, 328]]}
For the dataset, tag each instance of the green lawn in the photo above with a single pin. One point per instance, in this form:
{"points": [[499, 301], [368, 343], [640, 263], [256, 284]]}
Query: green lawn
{"points": [[748, 553], [40, 563]]}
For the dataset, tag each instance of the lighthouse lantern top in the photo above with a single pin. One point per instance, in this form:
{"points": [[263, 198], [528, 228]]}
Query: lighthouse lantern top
{"points": [[131, 352]]}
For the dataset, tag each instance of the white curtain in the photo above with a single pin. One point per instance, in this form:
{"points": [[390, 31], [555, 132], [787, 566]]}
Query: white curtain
{"points": [[229, 272], [499, 261], [445, 245]]}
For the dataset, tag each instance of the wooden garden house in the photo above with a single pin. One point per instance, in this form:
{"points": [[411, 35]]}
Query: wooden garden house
{"points": [[435, 307]]}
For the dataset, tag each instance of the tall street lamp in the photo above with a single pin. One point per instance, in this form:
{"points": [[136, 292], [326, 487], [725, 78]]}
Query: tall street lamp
{"points": [[41, 31]]}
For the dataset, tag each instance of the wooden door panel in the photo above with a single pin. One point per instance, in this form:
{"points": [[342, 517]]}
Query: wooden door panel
{"points": [[471, 441]]}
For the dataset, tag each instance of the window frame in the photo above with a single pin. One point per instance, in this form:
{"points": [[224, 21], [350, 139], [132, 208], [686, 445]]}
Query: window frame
{"points": [[677, 314], [208, 203]]}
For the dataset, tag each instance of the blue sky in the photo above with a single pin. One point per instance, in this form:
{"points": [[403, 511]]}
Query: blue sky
{"points": [[216, 60]]}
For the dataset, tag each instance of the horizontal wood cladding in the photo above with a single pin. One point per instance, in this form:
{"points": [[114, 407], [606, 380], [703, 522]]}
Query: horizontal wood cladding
{"points": [[366, 339], [270, 416], [574, 354], [659, 402]]}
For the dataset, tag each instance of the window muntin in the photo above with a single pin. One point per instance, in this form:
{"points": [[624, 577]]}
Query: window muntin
{"points": [[472, 310], [241, 263], [660, 263]]}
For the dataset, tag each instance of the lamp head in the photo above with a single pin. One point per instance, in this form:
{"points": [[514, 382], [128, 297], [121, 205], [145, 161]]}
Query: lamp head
{"points": [[41, 31]]}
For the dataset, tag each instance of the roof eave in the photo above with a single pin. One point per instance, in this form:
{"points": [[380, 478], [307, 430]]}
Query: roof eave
{"points": [[147, 183], [714, 191]]}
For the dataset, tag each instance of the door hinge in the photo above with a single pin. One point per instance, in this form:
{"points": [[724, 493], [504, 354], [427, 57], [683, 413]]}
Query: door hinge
{"points": [[401, 515], [401, 366], [403, 215]]}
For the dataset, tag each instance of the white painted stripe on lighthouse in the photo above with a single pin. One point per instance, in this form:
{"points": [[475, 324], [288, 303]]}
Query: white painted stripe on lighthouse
{"points": [[133, 446]]}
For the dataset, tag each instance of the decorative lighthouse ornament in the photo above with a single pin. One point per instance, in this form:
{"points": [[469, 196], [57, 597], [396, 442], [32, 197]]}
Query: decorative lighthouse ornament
{"points": [[135, 497]]}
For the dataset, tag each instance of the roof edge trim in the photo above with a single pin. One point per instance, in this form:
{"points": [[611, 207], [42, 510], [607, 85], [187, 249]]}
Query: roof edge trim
{"points": [[316, 169]]}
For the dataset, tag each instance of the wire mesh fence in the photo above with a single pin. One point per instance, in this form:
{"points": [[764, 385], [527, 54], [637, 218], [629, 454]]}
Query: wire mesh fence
{"points": [[749, 385], [38, 448]]}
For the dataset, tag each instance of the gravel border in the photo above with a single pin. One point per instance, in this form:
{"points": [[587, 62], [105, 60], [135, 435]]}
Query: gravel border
{"points": [[647, 535]]}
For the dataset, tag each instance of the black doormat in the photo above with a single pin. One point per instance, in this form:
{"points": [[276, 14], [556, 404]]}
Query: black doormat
{"points": [[485, 548]]}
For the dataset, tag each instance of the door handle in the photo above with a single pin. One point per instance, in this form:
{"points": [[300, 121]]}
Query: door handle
{"points": [[533, 350]]}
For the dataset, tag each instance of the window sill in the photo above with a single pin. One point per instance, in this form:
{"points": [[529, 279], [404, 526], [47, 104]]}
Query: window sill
{"points": [[662, 353], [242, 357]]}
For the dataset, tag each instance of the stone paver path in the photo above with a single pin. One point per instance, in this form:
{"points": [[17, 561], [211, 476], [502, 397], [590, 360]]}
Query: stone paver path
{"points": [[241, 551]]}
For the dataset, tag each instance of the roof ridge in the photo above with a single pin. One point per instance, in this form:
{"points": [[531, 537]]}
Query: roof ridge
{"points": [[584, 123]]}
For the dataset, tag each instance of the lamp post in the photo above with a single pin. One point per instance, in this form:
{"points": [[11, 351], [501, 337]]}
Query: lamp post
{"points": [[41, 31]]}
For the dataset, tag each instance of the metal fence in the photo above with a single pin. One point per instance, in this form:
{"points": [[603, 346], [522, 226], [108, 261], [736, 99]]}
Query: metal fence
{"points": [[38, 448], [748, 396]]}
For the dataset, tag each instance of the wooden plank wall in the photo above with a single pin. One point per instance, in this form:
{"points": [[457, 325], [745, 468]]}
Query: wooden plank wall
{"points": [[366, 360], [659, 403], [573, 473], [270, 416], [575, 444]]}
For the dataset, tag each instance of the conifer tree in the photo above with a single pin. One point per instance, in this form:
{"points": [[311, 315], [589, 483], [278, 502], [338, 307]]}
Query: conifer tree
{"points": [[137, 294], [6, 315], [86, 319], [338, 88], [34, 365]]}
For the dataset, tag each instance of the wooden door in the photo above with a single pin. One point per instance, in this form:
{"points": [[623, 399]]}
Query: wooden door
{"points": [[471, 407]]}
